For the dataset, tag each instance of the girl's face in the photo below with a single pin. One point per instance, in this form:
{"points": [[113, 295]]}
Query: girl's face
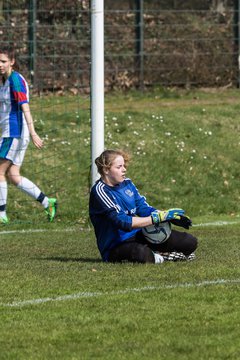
{"points": [[6, 65], [116, 174]]}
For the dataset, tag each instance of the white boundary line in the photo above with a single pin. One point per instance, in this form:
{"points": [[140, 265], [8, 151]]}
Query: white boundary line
{"points": [[218, 223], [80, 295], [6, 232]]}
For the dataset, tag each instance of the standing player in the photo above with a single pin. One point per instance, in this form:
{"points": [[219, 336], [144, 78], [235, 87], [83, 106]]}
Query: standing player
{"points": [[16, 124], [118, 212]]}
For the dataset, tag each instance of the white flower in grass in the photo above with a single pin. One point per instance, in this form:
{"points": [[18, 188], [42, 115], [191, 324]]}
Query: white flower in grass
{"points": [[194, 151], [168, 133], [135, 133], [114, 118], [205, 157], [181, 144]]}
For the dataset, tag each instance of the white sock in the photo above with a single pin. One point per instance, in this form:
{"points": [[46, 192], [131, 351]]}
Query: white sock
{"points": [[158, 258], [32, 190], [45, 202], [3, 197]]}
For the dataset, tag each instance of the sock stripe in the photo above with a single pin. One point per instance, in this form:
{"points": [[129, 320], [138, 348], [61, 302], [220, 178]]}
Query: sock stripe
{"points": [[41, 197]]}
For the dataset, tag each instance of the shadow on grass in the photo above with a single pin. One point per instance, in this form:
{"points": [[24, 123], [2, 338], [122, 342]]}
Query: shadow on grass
{"points": [[68, 259]]}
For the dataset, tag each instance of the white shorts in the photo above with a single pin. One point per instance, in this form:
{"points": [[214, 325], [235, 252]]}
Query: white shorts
{"points": [[13, 149]]}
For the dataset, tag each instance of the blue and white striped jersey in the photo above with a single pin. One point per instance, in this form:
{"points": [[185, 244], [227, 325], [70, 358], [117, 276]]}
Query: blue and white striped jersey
{"points": [[111, 209], [13, 93]]}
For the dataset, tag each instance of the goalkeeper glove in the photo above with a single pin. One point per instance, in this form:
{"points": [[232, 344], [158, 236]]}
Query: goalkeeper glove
{"points": [[183, 221], [165, 215]]}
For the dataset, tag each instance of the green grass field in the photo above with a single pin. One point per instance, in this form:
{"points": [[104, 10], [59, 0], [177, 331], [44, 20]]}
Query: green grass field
{"points": [[59, 301]]}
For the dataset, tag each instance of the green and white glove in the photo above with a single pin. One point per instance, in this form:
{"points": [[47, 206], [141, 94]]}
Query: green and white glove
{"points": [[159, 216]]}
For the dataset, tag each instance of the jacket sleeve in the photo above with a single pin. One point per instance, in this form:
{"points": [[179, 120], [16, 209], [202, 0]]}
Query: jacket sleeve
{"points": [[102, 204]]}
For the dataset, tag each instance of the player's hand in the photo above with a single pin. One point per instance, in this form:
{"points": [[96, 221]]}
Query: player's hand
{"points": [[166, 215], [38, 142], [184, 221]]}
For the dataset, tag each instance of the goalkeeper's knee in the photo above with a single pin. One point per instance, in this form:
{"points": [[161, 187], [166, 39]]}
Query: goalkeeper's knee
{"points": [[190, 245]]}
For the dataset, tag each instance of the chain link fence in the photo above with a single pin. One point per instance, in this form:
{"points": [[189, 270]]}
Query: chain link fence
{"points": [[147, 43]]}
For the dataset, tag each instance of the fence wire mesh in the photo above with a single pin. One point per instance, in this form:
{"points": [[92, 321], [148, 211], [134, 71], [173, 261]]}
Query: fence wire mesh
{"points": [[147, 43]]}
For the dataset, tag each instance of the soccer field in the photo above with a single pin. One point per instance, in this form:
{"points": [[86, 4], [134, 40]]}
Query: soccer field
{"points": [[59, 301]]}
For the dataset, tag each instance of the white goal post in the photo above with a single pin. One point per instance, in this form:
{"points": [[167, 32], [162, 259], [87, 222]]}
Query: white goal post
{"points": [[97, 83]]}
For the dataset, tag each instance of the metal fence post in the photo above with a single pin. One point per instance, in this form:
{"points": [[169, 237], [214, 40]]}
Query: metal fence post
{"points": [[236, 34], [140, 42], [32, 11]]}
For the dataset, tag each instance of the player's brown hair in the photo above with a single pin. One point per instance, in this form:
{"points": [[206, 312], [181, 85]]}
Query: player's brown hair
{"points": [[105, 160], [10, 53]]}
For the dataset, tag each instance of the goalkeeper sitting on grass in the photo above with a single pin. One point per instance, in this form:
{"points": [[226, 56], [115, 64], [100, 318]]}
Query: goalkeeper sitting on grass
{"points": [[118, 213]]}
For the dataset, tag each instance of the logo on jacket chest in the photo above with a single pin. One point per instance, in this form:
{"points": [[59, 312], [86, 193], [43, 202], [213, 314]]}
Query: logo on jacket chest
{"points": [[129, 193]]}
